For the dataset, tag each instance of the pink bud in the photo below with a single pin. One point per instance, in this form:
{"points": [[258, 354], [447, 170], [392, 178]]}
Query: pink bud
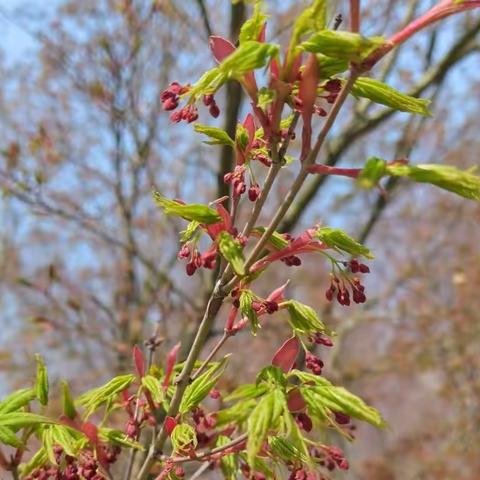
{"points": [[139, 361]]}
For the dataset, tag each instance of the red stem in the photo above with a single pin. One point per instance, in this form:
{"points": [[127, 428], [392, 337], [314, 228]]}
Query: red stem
{"points": [[355, 16]]}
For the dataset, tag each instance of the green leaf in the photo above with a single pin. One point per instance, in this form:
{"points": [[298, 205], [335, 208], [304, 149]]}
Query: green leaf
{"points": [[328, 66], [311, 20], [262, 420], [382, 93], [246, 309], [218, 135], [66, 437], [276, 240], [231, 250], [38, 460], [286, 450], [118, 438], [93, 399], [463, 183], [241, 136], [238, 413], [265, 97], [152, 384], [17, 400], [304, 319], [337, 399], [248, 390], [337, 239], [249, 56], [189, 232], [191, 212], [8, 437], [342, 45], [253, 26], [228, 463], [183, 438], [23, 419], [272, 376], [372, 172], [201, 386], [41, 383], [67, 401]]}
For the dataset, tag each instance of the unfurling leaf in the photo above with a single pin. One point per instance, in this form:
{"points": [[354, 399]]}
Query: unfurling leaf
{"points": [[191, 212], [93, 399], [252, 28], [286, 450], [342, 45], [317, 390], [183, 438], [152, 384], [67, 401], [328, 66], [118, 438], [372, 172], [246, 309], [8, 437], [262, 420], [231, 250], [41, 383], [201, 386], [382, 93], [286, 355], [337, 239], [273, 376], [218, 136], [189, 232], [304, 319], [228, 463], [463, 183], [17, 400], [23, 419]]}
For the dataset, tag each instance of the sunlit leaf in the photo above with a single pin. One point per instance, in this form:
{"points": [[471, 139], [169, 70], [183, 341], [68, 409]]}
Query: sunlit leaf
{"points": [[190, 212], [231, 250], [339, 240]]}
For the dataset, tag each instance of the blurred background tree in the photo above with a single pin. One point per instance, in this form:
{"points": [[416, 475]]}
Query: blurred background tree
{"points": [[89, 266]]}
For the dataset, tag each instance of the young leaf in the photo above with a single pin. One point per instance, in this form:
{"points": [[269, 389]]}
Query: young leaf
{"points": [[304, 319], [246, 391], [262, 420], [218, 136], [372, 172], [252, 28], [138, 361], [67, 401], [337, 399], [342, 45], [463, 183], [8, 437], [328, 66], [183, 438], [201, 386], [228, 463], [312, 19], [41, 383], [382, 93], [286, 450], [118, 438], [152, 384], [246, 309], [93, 399], [23, 419], [38, 460], [337, 239], [238, 413], [273, 376], [17, 400], [276, 240], [66, 437], [191, 212], [231, 250], [189, 232]]}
